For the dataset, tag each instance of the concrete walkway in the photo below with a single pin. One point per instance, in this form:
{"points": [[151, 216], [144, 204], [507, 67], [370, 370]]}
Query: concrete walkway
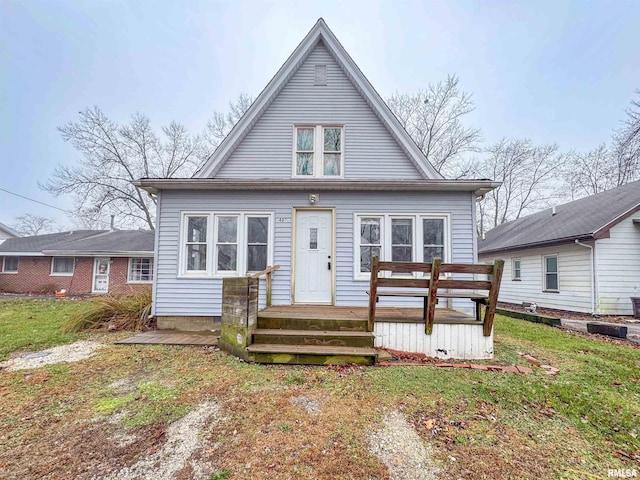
{"points": [[633, 329]]}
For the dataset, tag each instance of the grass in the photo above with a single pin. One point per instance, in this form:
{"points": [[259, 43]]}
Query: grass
{"points": [[576, 425], [38, 321]]}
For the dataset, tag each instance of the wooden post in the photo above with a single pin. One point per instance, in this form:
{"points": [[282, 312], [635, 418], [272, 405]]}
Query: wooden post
{"points": [[492, 301], [373, 293], [268, 282], [433, 295]]}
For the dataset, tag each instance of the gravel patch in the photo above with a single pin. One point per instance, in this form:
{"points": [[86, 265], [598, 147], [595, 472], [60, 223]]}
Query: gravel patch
{"points": [[65, 353], [311, 405], [183, 439], [400, 448]]}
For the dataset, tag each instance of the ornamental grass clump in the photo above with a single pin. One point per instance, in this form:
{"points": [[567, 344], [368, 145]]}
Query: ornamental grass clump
{"points": [[113, 312]]}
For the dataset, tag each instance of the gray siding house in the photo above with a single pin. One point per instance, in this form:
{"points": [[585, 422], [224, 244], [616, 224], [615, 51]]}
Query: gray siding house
{"points": [[583, 256], [317, 177]]}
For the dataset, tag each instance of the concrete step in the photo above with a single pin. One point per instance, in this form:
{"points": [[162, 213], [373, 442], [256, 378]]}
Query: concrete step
{"points": [[291, 322], [313, 337], [311, 354]]}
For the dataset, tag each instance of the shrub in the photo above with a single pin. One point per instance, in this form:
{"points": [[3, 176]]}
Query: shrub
{"points": [[113, 312]]}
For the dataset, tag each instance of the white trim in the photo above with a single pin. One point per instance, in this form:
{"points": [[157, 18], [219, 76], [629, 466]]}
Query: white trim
{"points": [[211, 261], [9, 272], [320, 31], [238, 242], [544, 273], [318, 151], [513, 269], [23, 254], [62, 274], [153, 271], [417, 253]]}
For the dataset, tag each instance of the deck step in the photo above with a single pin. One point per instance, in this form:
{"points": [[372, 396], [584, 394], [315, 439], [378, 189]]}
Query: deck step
{"points": [[286, 322], [313, 337], [311, 354]]}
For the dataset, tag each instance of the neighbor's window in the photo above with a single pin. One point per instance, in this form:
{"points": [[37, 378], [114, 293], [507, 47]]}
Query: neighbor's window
{"points": [[516, 269], [195, 247], [370, 241], [257, 243], [319, 151], [226, 243], [401, 239], [9, 265], [551, 273], [62, 265], [432, 239], [141, 270]]}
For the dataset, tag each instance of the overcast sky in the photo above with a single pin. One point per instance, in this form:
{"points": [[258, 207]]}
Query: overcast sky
{"points": [[553, 71]]}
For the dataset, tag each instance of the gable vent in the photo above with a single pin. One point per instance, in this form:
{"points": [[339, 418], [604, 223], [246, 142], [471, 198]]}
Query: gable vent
{"points": [[320, 77]]}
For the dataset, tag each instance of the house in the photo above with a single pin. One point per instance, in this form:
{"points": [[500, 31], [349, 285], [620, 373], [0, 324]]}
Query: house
{"points": [[7, 232], [583, 256], [81, 262], [317, 177]]}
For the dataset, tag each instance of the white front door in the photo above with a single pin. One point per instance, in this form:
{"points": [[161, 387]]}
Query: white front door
{"points": [[314, 265], [101, 275]]}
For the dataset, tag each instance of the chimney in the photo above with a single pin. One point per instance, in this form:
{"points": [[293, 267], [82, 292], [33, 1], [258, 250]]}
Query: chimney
{"points": [[113, 221]]}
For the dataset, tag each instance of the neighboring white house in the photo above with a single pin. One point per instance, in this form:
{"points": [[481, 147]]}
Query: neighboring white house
{"points": [[583, 256], [6, 233], [317, 177]]}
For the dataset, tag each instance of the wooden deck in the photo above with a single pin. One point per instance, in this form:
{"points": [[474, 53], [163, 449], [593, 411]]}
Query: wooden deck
{"points": [[383, 314], [172, 337]]}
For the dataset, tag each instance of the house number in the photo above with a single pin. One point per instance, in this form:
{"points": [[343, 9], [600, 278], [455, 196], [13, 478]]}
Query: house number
{"points": [[283, 219]]}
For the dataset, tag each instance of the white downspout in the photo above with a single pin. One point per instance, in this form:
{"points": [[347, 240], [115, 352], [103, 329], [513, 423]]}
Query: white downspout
{"points": [[593, 275]]}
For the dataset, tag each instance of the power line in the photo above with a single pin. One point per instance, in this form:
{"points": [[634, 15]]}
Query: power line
{"points": [[53, 206]]}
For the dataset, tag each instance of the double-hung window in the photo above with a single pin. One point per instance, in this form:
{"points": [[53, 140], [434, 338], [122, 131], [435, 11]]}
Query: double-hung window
{"points": [[225, 244], [399, 238], [517, 269], [62, 265], [551, 279], [140, 270], [9, 265], [196, 246], [319, 151]]}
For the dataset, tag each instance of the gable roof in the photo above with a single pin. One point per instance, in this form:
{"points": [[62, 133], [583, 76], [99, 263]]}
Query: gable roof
{"points": [[587, 218], [319, 33], [8, 230], [82, 242]]}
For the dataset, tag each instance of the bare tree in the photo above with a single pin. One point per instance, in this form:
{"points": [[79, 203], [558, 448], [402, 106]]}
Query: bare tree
{"points": [[590, 173], [220, 124], [434, 119], [529, 180], [626, 145], [28, 225], [115, 155]]}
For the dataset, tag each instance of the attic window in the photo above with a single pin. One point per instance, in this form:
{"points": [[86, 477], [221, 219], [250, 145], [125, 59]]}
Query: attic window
{"points": [[320, 76]]}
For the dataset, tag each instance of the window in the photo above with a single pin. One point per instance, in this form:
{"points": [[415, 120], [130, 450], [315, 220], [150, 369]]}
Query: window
{"points": [[399, 238], [318, 151], [432, 239], [370, 241], [516, 269], [62, 266], [257, 243], [225, 244], [140, 270], [551, 283], [196, 243], [9, 265]]}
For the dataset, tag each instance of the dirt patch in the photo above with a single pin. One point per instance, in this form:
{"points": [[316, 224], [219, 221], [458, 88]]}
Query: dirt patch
{"points": [[183, 439], [400, 448], [72, 352], [311, 405]]}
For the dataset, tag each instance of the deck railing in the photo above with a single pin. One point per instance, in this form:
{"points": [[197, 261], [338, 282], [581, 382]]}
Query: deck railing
{"points": [[267, 272]]}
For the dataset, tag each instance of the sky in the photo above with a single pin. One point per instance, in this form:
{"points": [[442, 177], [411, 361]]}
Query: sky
{"points": [[553, 71]]}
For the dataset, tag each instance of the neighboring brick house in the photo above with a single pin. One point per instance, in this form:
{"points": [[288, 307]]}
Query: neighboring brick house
{"points": [[81, 262]]}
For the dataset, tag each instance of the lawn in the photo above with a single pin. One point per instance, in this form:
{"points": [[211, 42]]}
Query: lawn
{"points": [[93, 417]]}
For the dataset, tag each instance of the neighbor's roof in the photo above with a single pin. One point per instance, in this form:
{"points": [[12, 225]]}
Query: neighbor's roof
{"points": [[319, 33], [83, 242], [8, 230], [588, 218]]}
